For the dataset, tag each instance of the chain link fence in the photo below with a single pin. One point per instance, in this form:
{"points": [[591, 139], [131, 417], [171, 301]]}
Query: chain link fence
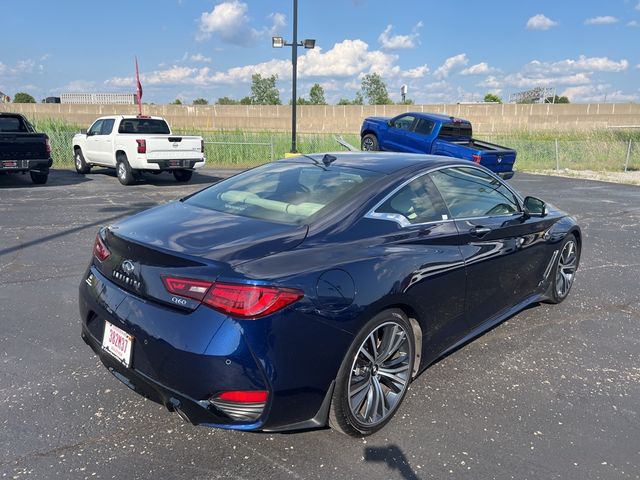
{"points": [[245, 149]]}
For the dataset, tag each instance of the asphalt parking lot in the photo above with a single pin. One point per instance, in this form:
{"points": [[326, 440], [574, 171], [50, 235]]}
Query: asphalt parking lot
{"points": [[552, 393]]}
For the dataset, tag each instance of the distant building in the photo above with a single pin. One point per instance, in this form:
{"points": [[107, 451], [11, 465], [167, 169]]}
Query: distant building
{"points": [[51, 100], [100, 98], [4, 98]]}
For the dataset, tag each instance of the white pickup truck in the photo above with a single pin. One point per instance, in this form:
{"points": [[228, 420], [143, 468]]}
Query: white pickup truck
{"points": [[133, 144]]}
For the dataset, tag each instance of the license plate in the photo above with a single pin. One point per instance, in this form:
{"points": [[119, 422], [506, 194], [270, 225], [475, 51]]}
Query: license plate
{"points": [[10, 164], [118, 343], [175, 163]]}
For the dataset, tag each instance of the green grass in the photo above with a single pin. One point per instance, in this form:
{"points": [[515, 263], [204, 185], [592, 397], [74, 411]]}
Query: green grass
{"points": [[604, 151]]}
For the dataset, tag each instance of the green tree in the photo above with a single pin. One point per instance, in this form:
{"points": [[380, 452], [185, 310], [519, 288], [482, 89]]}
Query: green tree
{"points": [[201, 101], [22, 97], [492, 97], [227, 101], [344, 101], [557, 99], [177, 101], [264, 91], [358, 99], [316, 95], [246, 100], [375, 90], [406, 101]]}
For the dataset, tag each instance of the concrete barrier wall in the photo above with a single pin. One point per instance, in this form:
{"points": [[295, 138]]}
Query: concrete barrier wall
{"points": [[486, 118]]}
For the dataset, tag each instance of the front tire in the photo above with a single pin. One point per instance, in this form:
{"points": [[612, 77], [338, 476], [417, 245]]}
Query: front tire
{"points": [[564, 272], [369, 143], [39, 178], [182, 175], [124, 172], [82, 167], [374, 376]]}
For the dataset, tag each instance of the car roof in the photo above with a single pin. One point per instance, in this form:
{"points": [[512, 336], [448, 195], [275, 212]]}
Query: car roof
{"points": [[383, 162], [439, 117]]}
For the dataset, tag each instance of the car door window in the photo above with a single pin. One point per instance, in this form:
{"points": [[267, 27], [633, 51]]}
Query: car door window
{"points": [[418, 202], [424, 127], [107, 126], [404, 123], [470, 192], [95, 128]]}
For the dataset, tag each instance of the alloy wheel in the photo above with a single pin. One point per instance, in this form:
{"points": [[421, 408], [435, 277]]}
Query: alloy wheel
{"points": [[122, 172], [367, 144], [380, 374], [566, 271]]}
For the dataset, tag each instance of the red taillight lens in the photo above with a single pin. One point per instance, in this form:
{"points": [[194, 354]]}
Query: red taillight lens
{"points": [[185, 287], [250, 301], [48, 146], [202, 146], [242, 396], [142, 146], [476, 159], [100, 250]]}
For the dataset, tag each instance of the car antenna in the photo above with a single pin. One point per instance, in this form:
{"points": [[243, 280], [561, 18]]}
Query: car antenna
{"points": [[328, 159]]}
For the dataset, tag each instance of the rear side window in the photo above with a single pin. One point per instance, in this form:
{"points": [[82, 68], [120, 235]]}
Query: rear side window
{"points": [[144, 125], [418, 202], [424, 127], [107, 126], [284, 192], [12, 125], [469, 192], [455, 130]]}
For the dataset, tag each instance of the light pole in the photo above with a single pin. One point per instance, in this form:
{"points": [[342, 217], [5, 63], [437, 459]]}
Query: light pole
{"points": [[279, 42]]}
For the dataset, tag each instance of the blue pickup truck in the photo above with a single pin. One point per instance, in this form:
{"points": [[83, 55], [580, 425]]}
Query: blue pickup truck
{"points": [[416, 132]]}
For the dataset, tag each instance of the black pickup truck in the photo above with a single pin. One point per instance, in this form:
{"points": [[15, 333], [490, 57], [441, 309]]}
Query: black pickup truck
{"points": [[22, 149]]}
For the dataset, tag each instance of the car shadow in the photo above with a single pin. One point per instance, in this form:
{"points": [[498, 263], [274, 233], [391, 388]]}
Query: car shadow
{"points": [[57, 178], [393, 457], [164, 179]]}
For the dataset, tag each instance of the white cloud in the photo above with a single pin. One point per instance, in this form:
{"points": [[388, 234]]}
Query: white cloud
{"points": [[21, 67], [198, 57], [491, 82], [417, 72], [602, 20], [638, 6], [392, 42], [482, 68], [581, 64], [633, 23], [598, 93], [230, 22], [541, 22], [451, 64], [79, 86]]}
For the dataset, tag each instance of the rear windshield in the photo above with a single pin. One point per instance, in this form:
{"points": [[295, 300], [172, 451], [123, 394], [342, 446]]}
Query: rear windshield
{"points": [[284, 192], [13, 125], [144, 125], [455, 130]]}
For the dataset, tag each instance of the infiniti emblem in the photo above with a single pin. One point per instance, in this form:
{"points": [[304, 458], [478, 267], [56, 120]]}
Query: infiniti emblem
{"points": [[128, 267]]}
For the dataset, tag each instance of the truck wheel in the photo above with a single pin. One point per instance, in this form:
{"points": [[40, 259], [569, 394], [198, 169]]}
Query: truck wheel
{"points": [[183, 175], [124, 172], [39, 178], [82, 167], [370, 143]]}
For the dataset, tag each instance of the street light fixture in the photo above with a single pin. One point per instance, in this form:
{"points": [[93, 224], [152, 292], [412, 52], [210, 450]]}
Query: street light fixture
{"points": [[279, 42]]}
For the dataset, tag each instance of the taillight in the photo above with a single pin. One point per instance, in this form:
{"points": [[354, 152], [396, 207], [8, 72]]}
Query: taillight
{"points": [[202, 146], [250, 301], [241, 405], [47, 144], [195, 289], [476, 158], [142, 146], [100, 250], [244, 396], [236, 300]]}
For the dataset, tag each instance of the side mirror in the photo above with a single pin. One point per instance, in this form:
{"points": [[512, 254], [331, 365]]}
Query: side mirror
{"points": [[535, 207], [390, 123], [83, 131]]}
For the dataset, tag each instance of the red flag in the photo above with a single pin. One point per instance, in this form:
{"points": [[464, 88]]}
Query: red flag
{"points": [[138, 89]]}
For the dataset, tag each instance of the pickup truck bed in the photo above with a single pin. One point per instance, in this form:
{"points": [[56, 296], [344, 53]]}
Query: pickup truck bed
{"points": [[23, 150]]}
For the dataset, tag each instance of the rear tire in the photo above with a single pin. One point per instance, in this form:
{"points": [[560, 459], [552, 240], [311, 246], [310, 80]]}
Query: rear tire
{"points": [[39, 178], [369, 143], [564, 271], [82, 167], [182, 175], [374, 376], [124, 172]]}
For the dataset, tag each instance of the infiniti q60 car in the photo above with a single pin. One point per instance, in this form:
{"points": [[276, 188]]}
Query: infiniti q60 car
{"points": [[313, 290]]}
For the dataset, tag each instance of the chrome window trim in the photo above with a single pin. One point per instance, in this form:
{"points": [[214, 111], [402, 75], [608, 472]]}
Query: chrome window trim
{"points": [[404, 222]]}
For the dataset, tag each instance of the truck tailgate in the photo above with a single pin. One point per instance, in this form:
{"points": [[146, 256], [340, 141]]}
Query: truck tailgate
{"points": [[173, 147], [23, 146], [498, 161]]}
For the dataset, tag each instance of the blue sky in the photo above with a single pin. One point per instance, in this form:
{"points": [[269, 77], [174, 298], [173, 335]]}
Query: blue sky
{"points": [[445, 52]]}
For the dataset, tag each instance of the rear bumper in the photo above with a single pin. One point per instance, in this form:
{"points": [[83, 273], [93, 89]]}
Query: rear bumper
{"points": [[24, 165], [171, 164]]}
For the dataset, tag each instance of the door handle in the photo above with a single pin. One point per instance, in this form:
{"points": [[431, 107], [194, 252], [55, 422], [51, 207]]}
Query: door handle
{"points": [[479, 231]]}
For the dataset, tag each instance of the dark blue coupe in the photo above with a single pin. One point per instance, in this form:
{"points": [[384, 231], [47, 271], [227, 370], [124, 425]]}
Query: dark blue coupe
{"points": [[313, 290]]}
